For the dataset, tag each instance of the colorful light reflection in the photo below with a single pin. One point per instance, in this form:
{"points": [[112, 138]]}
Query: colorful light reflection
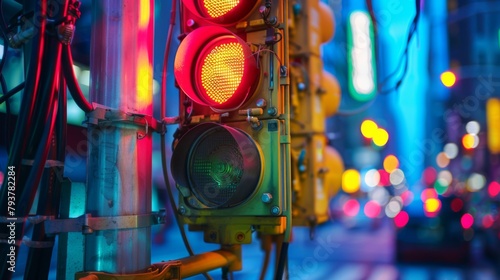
{"points": [[467, 221], [351, 208], [401, 219]]}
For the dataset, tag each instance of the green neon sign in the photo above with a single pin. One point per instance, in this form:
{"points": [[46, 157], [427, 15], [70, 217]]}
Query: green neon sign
{"points": [[362, 76]]}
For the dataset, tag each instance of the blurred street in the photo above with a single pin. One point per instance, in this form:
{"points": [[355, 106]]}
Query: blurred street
{"points": [[362, 252]]}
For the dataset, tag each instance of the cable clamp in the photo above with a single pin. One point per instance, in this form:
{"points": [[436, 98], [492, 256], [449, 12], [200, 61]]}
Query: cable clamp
{"points": [[37, 244], [106, 117], [39, 219], [10, 219], [87, 224], [48, 163]]}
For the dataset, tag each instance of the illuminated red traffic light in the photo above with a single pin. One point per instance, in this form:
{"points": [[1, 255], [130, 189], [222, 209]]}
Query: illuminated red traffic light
{"points": [[221, 11], [216, 68]]}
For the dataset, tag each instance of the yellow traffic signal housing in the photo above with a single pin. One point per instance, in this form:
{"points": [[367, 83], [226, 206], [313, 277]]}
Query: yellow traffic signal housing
{"points": [[315, 95], [231, 158]]}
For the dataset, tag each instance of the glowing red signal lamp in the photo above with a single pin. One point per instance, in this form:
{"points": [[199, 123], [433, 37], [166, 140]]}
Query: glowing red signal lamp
{"points": [[223, 12], [216, 68]]}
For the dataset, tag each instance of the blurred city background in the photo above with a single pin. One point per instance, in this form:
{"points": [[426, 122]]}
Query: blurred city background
{"points": [[420, 192]]}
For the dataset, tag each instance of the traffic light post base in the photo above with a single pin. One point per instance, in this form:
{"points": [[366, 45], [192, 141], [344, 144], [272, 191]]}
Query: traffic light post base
{"points": [[228, 257]]}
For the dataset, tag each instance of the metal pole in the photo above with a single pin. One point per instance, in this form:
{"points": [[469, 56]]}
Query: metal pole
{"points": [[119, 156]]}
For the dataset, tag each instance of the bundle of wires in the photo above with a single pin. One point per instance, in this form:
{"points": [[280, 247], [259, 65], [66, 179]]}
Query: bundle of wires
{"points": [[40, 135]]}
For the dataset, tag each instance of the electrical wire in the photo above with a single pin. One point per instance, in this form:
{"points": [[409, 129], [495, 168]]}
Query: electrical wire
{"points": [[162, 136], [21, 135], [358, 110], [404, 57], [33, 139], [72, 82], [50, 189], [266, 245], [11, 92], [283, 255], [3, 30]]}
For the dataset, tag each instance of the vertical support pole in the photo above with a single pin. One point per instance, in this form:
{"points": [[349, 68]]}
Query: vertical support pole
{"points": [[119, 160]]}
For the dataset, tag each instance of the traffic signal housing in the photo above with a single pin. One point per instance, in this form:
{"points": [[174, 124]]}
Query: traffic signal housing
{"points": [[231, 157], [315, 95]]}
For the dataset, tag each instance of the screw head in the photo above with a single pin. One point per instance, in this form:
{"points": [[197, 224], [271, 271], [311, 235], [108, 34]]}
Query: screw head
{"points": [[182, 210], [301, 86], [267, 197], [261, 103], [272, 111], [275, 210], [240, 237]]}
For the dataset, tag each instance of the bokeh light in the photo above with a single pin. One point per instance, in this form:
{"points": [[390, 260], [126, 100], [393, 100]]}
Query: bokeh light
{"points": [[372, 209], [451, 150], [381, 137], [368, 128], [467, 221], [384, 178], [457, 204], [472, 127], [432, 205], [427, 194], [407, 197], [391, 162], [351, 181], [441, 186], [493, 189], [380, 195], [476, 182], [446, 176], [401, 219], [442, 160], [488, 220], [393, 208], [372, 178], [397, 177], [448, 78], [470, 141], [351, 207], [429, 176]]}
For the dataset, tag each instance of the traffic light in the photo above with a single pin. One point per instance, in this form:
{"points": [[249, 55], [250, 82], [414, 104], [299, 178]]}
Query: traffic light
{"points": [[316, 167], [231, 157]]}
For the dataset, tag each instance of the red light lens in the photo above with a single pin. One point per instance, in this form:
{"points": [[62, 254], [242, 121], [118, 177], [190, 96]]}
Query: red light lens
{"points": [[216, 68], [221, 11], [222, 71], [218, 8]]}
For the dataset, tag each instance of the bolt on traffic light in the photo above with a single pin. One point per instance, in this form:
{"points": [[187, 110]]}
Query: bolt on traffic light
{"points": [[315, 95], [231, 158]]}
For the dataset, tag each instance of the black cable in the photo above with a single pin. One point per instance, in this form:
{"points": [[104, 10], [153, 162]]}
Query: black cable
{"points": [[74, 87], [162, 137], [404, 57], [9, 94], [282, 261], [38, 262], [20, 138], [6, 130], [3, 30]]}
